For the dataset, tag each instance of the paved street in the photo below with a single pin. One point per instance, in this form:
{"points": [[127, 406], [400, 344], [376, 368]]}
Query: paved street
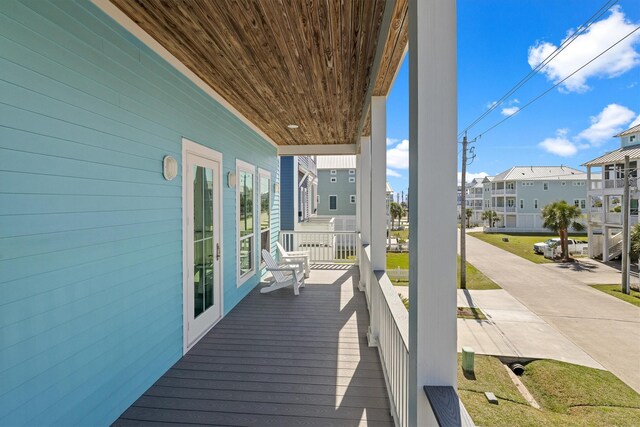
{"points": [[606, 328]]}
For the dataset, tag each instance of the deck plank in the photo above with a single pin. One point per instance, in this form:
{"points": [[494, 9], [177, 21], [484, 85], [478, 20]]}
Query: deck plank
{"points": [[278, 359]]}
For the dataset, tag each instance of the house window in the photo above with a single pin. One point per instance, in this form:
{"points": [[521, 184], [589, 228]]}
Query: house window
{"points": [[352, 179], [521, 203], [583, 204], [334, 172], [545, 186], [265, 213], [352, 171], [352, 199], [535, 203], [333, 203], [333, 179], [632, 138], [509, 185], [246, 220]]}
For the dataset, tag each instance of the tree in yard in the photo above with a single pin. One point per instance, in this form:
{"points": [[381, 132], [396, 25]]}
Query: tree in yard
{"points": [[490, 216], [396, 211], [468, 213], [559, 217]]}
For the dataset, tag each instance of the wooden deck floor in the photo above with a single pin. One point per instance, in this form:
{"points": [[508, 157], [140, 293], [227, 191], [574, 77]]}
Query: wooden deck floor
{"points": [[278, 360]]}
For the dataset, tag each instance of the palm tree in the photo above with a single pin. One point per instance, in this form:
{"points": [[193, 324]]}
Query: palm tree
{"points": [[396, 211], [559, 217], [491, 216], [468, 213]]}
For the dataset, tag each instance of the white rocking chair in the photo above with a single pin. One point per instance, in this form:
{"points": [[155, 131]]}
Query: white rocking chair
{"points": [[294, 256], [284, 274]]}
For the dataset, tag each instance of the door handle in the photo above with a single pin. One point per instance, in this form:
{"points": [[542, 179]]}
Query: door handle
{"points": [[217, 251]]}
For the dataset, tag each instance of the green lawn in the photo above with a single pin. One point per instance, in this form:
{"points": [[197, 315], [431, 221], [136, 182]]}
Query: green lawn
{"points": [[616, 291], [569, 395], [519, 244], [475, 279]]}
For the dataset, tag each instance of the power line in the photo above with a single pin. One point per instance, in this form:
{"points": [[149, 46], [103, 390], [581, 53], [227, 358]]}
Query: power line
{"points": [[555, 85], [578, 32]]}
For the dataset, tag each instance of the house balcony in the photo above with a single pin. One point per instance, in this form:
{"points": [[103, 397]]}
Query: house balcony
{"points": [[595, 185], [510, 191], [614, 183], [279, 359], [498, 191], [510, 209]]}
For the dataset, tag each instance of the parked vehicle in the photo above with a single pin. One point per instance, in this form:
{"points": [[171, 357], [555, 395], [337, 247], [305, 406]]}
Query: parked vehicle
{"points": [[575, 246]]}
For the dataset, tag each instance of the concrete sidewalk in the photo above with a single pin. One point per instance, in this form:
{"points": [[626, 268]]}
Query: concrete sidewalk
{"points": [[511, 329], [606, 328]]}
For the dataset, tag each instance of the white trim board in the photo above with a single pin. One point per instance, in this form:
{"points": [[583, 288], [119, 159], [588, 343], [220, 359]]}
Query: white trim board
{"points": [[317, 149], [248, 167], [128, 24]]}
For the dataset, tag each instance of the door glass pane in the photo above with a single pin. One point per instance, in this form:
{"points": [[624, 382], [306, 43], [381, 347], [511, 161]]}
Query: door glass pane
{"points": [[208, 273], [208, 203], [198, 279], [203, 246]]}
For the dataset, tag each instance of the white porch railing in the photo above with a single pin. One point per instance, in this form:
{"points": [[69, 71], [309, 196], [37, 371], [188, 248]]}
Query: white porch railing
{"points": [[323, 246], [596, 216], [613, 218], [392, 325], [596, 185]]}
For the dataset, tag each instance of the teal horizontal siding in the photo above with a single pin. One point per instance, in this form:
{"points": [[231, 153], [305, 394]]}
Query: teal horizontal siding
{"points": [[90, 232]]}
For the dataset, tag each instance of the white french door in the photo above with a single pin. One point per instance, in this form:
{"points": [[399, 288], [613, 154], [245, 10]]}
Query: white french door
{"points": [[202, 278]]}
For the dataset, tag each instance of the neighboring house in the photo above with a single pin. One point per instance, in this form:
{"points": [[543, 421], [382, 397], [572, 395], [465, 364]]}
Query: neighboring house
{"points": [[605, 189], [336, 186], [475, 199], [519, 194], [140, 181], [298, 190]]}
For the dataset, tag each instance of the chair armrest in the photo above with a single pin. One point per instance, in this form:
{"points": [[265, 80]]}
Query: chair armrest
{"points": [[299, 264], [290, 269], [297, 253], [294, 260]]}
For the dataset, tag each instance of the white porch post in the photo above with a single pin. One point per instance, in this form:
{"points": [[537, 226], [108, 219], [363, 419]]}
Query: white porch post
{"points": [[358, 206], [378, 204], [432, 202], [365, 208]]}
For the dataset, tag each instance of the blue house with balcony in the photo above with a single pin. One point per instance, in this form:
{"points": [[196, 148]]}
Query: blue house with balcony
{"points": [[140, 179]]}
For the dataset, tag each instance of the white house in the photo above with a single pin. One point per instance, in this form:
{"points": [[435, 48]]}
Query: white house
{"points": [[605, 189]]}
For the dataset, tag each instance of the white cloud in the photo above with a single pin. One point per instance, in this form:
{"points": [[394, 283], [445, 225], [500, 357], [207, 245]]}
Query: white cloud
{"points": [[610, 121], [491, 104], [393, 173], [398, 157], [635, 122], [559, 145], [391, 141], [602, 34], [510, 111], [471, 176]]}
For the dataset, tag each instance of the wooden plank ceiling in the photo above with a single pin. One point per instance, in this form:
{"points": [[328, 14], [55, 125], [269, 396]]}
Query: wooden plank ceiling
{"points": [[282, 62]]}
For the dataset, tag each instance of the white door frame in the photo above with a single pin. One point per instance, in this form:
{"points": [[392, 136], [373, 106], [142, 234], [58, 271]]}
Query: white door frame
{"points": [[190, 147]]}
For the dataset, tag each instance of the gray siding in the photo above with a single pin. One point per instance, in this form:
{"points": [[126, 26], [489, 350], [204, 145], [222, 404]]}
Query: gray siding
{"points": [[343, 189]]}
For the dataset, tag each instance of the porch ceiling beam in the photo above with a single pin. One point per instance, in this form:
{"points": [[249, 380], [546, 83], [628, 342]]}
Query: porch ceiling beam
{"points": [[317, 150], [389, 10]]}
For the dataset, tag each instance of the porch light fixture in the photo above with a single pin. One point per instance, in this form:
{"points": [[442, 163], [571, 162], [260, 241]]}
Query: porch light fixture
{"points": [[293, 126], [276, 188], [231, 179], [169, 168]]}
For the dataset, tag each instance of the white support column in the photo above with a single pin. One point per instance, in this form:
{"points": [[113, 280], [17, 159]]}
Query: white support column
{"points": [[378, 182], [365, 208], [358, 206], [432, 202], [378, 209]]}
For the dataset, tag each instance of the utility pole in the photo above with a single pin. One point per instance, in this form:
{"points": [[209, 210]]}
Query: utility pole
{"points": [[625, 230], [463, 216], [463, 213]]}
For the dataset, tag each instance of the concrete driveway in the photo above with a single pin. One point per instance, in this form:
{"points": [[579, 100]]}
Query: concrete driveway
{"points": [[607, 329]]}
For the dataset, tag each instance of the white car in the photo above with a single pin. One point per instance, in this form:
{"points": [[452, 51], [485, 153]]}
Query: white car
{"points": [[575, 246]]}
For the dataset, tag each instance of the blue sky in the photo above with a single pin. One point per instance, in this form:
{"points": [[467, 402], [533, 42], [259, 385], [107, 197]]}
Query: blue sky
{"points": [[499, 41]]}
